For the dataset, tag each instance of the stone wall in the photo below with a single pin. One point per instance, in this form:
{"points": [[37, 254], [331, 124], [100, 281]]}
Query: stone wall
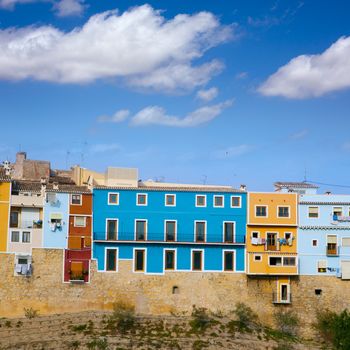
{"points": [[153, 294]]}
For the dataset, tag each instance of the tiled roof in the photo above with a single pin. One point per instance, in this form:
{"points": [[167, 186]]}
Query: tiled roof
{"points": [[63, 188], [35, 186], [294, 184], [173, 189], [61, 180]]}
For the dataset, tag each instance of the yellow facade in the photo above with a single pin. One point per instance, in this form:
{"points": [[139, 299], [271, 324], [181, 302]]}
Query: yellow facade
{"points": [[5, 194], [272, 234]]}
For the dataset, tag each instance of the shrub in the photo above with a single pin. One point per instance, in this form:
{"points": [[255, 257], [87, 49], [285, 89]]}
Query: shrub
{"points": [[334, 328], [287, 322], [245, 317], [30, 313], [200, 319], [123, 318], [99, 344]]}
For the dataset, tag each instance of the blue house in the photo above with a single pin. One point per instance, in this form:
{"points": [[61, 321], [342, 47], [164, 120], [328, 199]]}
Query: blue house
{"points": [[169, 227], [324, 234]]}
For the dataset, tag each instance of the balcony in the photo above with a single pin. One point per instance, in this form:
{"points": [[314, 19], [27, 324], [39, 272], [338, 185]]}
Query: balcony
{"points": [[281, 298], [22, 200], [27, 224]]}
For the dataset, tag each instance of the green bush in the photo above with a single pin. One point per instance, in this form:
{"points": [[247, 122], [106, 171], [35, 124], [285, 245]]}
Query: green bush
{"points": [[245, 317], [30, 313], [334, 328], [200, 319], [287, 322], [123, 318]]}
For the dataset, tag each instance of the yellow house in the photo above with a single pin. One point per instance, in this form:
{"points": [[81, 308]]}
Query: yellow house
{"points": [[272, 239], [5, 194]]}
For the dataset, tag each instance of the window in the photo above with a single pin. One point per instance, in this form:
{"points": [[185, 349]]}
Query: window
{"points": [[229, 232], [275, 261], [314, 242], [255, 234], [112, 229], [313, 212], [79, 221], [229, 261], [139, 260], [288, 235], [218, 201], [261, 210], [288, 261], [346, 242], [337, 211], [169, 260], [257, 258], [284, 293], [14, 216], [113, 198], [25, 237], [141, 199], [197, 260], [141, 230], [201, 201], [170, 231], [200, 231], [170, 200], [235, 201], [321, 266], [111, 259], [76, 199], [283, 212], [332, 245], [15, 236]]}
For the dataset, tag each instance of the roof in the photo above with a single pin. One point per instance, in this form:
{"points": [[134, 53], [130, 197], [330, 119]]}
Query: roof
{"points": [[294, 184], [35, 186], [173, 188]]}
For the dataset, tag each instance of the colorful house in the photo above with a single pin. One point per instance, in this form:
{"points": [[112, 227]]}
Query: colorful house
{"points": [[324, 234], [272, 240], [164, 227], [5, 195]]}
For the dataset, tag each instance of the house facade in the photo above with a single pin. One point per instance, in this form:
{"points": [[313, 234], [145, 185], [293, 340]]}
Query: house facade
{"points": [[324, 235], [5, 196], [272, 240], [169, 227]]}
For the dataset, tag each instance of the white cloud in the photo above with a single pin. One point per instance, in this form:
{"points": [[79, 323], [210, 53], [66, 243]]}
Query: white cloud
{"points": [[155, 115], [312, 75], [117, 117], [138, 45], [299, 135], [65, 8], [208, 95], [233, 151], [10, 4], [104, 147]]}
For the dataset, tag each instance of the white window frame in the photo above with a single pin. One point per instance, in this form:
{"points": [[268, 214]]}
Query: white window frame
{"points": [[205, 231], [76, 194], [240, 202], [30, 236], [342, 210], [75, 221], [203, 262], [234, 260], [275, 256], [283, 206], [175, 259], [110, 203], [342, 244], [234, 231], [116, 260], [317, 263], [175, 234], [165, 200], [144, 260], [146, 230], [223, 201], [19, 236], [106, 225], [146, 199], [308, 212], [257, 255], [288, 293], [205, 201], [261, 205]]}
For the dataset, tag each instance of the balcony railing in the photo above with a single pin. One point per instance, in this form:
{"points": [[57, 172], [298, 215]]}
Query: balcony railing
{"points": [[278, 298], [161, 237], [27, 224]]}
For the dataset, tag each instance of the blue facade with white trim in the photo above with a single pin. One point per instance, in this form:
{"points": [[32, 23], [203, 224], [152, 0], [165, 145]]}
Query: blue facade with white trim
{"points": [[185, 213]]}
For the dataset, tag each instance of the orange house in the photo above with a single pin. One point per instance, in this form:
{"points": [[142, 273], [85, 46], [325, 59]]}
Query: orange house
{"points": [[271, 241]]}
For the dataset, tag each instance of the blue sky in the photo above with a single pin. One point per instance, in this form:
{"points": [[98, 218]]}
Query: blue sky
{"points": [[217, 92]]}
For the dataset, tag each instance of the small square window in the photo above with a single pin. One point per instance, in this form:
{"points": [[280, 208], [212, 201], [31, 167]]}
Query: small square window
{"points": [[170, 200], [275, 261], [257, 258], [261, 211], [283, 212], [313, 212], [255, 234], [26, 237], [141, 199], [79, 221], [235, 201], [76, 199], [287, 235], [15, 236], [314, 242], [201, 201], [113, 198], [219, 201], [289, 261]]}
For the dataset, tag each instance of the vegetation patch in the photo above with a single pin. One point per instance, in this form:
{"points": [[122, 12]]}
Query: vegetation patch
{"points": [[30, 313], [200, 321], [122, 320]]}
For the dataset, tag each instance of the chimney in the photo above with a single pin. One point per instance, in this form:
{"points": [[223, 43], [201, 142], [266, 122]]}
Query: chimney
{"points": [[43, 185], [55, 186], [328, 192], [243, 187], [7, 167]]}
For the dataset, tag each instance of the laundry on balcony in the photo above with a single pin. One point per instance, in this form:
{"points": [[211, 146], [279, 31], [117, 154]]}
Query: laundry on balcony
{"points": [[255, 241]]}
